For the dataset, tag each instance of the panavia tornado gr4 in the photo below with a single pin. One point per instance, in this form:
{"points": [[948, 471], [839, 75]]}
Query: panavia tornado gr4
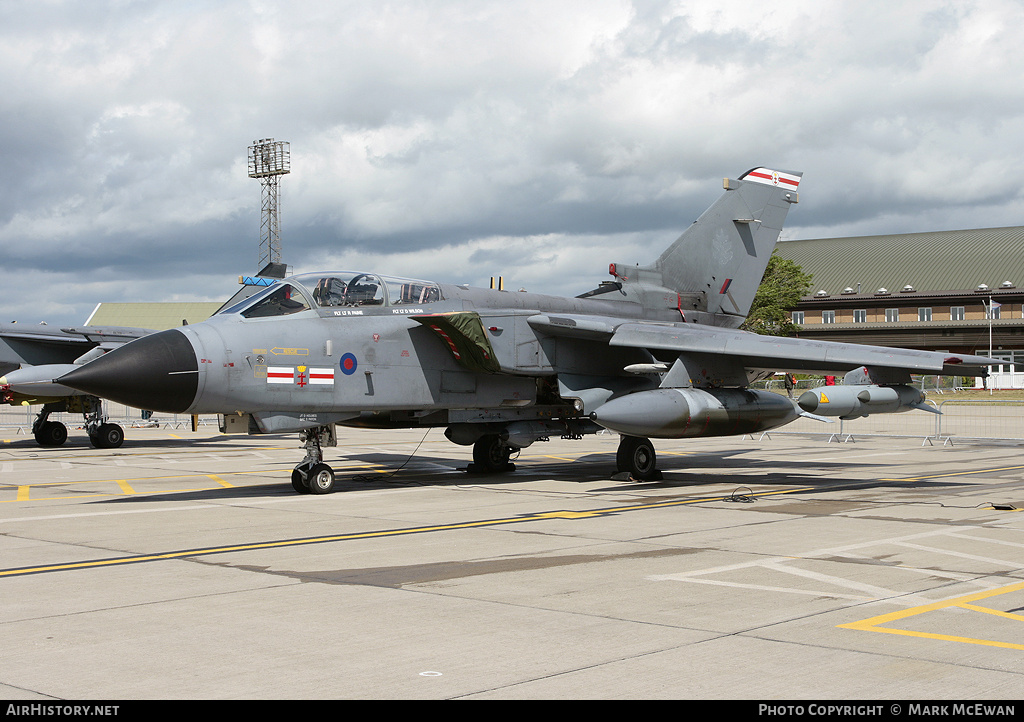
{"points": [[653, 352], [32, 356]]}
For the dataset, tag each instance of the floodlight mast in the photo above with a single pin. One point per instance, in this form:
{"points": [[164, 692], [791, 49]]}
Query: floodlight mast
{"points": [[268, 161]]}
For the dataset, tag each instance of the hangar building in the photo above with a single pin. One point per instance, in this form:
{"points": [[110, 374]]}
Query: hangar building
{"points": [[960, 291]]}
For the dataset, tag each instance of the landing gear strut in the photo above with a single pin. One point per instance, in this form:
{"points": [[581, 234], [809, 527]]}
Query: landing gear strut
{"points": [[102, 434], [312, 475], [636, 455]]}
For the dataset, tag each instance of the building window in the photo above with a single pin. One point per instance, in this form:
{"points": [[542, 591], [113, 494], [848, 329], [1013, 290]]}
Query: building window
{"points": [[798, 318], [956, 313], [924, 314], [860, 315], [892, 315], [1005, 356], [828, 316], [993, 311]]}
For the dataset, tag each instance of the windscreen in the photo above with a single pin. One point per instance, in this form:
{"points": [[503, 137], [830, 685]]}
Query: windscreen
{"points": [[282, 300]]}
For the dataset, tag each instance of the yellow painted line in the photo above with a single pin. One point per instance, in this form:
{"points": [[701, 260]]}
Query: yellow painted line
{"points": [[125, 484], [996, 612], [569, 514], [959, 473], [874, 623], [559, 514]]}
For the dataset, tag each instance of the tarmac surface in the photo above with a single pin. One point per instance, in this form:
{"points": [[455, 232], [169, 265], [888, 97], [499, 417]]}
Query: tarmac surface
{"points": [[184, 566]]}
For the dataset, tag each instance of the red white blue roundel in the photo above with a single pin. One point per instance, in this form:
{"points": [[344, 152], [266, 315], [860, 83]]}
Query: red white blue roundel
{"points": [[348, 364]]}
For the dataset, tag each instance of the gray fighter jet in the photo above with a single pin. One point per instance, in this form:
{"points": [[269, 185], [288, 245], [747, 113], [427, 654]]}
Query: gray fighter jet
{"points": [[32, 356], [653, 352]]}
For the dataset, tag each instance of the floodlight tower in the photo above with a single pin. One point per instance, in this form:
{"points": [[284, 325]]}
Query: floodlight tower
{"points": [[268, 161]]}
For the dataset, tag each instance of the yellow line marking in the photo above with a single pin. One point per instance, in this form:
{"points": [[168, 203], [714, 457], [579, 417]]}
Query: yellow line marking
{"points": [[126, 483], [958, 473], [563, 514], [996, 612], [874, 623], [568, 514]]}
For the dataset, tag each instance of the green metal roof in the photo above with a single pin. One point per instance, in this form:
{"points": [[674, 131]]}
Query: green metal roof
{"points": [[935, 261], [155, 316]]}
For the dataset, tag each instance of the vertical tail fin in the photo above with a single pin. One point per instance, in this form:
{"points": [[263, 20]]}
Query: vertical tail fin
{"points": [[722, 256]]}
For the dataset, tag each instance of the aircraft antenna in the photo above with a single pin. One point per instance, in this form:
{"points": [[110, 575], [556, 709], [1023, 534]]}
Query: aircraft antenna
{"points": [[268, 161]]}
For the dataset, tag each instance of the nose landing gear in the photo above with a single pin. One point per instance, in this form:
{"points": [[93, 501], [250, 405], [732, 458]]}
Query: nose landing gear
{"points": [[312, 475]]}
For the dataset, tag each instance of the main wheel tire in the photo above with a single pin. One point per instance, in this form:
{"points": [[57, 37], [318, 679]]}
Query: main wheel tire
{"points": [[107, 436], [299, 481], [491, 454], [320, 479], [636, 455], [51, 433]]}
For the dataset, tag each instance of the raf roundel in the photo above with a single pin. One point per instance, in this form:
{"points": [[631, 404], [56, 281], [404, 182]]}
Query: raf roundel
{"points": [[348, 364]]}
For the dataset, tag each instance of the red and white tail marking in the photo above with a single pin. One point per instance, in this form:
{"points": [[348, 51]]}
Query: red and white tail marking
{"points": [[773, 178]]}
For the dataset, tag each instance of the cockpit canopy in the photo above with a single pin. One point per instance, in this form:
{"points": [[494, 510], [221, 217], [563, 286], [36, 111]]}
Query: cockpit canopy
{"points": [[337, 289]]}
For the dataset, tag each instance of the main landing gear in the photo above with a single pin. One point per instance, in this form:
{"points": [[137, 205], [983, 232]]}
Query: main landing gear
{"points": [[491, 455], [312, 475], [636, 456]]}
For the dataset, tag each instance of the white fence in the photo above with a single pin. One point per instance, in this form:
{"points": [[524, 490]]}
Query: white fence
{"points": [[18, 420], [974, 420]]}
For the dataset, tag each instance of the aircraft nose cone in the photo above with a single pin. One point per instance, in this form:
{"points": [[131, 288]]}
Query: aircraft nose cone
{"points": [[158, 372], [807, 401]]}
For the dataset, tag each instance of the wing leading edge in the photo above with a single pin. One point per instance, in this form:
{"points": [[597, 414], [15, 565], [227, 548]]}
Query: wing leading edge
{"points": [[754, 351]]}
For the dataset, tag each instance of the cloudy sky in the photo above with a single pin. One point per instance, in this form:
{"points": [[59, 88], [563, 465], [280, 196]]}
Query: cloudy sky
{"points": [[461, 139]]}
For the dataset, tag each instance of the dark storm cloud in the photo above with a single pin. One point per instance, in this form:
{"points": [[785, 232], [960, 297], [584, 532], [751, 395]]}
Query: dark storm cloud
{"points": [[467, 139]]}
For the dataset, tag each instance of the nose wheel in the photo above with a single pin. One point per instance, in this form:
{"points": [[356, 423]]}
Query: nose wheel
{"points": [[312, 475], [317, 478]]}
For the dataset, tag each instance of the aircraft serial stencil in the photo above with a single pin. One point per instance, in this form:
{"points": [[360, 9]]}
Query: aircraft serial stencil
{"points": [[653, 352]]}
